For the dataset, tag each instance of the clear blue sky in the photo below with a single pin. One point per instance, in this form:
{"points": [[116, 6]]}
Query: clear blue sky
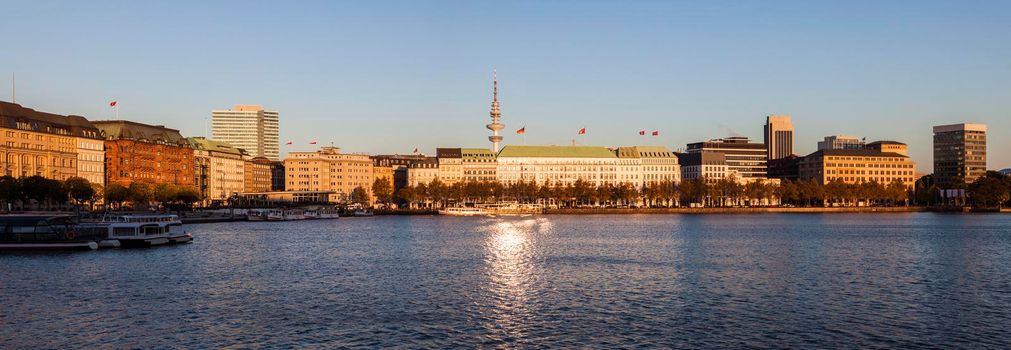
{"points": [[378, 77]]}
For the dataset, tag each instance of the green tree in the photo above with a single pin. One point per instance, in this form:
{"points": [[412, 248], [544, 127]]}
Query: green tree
{"points": [[140, 193], [360, 195], [186, 195], [80, 189], [116, 194], [988, 192], [10, 191], [382, 189], [164, 193]]}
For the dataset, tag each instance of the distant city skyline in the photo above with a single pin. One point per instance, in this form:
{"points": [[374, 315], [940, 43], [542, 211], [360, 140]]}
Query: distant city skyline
{"points": [[385, 78]]}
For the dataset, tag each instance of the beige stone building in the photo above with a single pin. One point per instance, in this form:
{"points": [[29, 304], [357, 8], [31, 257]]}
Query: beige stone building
{"points": [[642, 165], [257, 175], [91, 156], [479, 164], [221, 169], [39, 143], [857, 166], [422, 171], [328, 169], [450, 165], [557, 165]]}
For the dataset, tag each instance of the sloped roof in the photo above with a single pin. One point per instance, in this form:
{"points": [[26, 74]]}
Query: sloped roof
{"points": [[10, 113], [556, 151], [202, 143], [645, 152], [123, 129]]}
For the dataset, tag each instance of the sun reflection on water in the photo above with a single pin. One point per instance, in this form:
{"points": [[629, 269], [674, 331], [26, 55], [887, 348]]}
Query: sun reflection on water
{"points": [[510, 264]]}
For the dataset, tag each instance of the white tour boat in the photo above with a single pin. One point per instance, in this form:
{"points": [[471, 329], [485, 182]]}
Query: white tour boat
{"points": [[43, 232], [285, 215], [137, 230], [464, 211], [321, 213]]}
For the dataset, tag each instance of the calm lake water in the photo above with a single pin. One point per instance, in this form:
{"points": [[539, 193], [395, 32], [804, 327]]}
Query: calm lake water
{"points": [[695, 281]]}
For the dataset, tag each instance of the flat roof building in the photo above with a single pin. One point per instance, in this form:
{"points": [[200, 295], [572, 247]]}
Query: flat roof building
{"points": [[778, 136], [744, 158], [959, 153], [249, 127], [841, 142]]}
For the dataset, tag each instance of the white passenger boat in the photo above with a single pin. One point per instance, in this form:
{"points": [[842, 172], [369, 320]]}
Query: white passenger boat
{"points": [[285, 215], [463, 211], [257, 214], [513, 209], [137, 230], [363, 212], [322, 213]]}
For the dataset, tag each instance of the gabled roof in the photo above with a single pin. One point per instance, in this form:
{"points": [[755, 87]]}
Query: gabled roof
{"points": [[556, 151]]}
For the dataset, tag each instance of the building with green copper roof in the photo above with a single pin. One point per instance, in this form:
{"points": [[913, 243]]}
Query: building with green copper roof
{"points": [[556, 152]]}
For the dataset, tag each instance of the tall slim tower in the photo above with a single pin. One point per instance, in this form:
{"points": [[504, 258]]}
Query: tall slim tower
{"points": [[496, 113], [778, 136]]}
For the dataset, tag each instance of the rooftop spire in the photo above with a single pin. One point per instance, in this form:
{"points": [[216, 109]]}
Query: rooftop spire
{"points": [[496, 113]]}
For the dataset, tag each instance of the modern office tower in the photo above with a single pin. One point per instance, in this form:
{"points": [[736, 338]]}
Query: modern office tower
{"points": [[841, 142], [744, 159], [146, 153], [778, 136], [248, 127], [959, 153], [857, 166]]}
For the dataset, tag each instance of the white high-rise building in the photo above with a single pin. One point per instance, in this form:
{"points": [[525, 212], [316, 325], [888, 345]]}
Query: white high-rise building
{"points": [[248, 127]]}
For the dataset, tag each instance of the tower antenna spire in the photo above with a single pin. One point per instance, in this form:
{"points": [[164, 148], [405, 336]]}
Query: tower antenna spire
{"points": [[14, 88], [496, 114]]}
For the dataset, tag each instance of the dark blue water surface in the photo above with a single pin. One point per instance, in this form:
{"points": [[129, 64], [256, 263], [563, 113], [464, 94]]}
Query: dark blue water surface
{"points": [[686, 281]]}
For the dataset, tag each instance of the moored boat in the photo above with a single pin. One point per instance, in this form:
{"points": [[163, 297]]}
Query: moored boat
{"points": [[285, 215], [363, 212], [43, 232], [321, 213], [137, 230], [257, 214], [463, 211]]}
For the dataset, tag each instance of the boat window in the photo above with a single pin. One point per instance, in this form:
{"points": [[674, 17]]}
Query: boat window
{"points": [[124, 231], [152, 230], [22, 229]]}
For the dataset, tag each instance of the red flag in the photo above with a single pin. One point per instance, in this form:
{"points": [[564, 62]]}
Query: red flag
{"points": [[112, 104], [522, 130], [582, 131], [656, 133], [289, 142], [642, 132], [313, 142]]}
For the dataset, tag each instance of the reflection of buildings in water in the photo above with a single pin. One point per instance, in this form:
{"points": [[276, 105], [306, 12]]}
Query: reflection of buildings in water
{"points": [[509, 260]]}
